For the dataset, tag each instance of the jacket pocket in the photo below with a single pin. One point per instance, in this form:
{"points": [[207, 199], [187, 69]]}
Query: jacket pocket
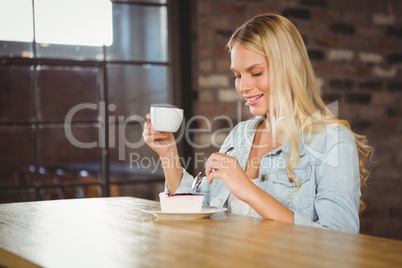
{"points": [[298, 198]]}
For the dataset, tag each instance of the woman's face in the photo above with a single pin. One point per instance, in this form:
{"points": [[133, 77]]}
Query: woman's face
{"points": [[251, 78]]}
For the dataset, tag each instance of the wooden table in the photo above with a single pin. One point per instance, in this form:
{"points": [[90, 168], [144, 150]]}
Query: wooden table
{"points": [[115, 232]]}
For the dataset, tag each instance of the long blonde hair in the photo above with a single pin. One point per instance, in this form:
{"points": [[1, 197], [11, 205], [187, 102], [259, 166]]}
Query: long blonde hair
{"points": [[294, 92]]}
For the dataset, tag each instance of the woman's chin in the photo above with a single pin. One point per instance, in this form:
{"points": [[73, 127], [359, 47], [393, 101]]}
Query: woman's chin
{"points": [[257, 112]]}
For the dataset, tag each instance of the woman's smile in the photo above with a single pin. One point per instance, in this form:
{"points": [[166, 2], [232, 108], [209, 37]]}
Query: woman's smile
{"points": [[253, 100]]}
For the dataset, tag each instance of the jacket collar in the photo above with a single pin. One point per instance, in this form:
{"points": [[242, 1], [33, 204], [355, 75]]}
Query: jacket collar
{"points": [[286, 145]]}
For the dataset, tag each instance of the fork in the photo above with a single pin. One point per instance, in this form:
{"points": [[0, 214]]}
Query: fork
{"points": [[198, 178]]}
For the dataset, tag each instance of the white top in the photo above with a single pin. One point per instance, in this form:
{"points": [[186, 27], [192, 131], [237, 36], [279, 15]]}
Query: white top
{"points": [[236, 206]]}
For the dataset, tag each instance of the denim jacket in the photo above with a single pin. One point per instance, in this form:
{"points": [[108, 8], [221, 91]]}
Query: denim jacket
{"points": [[329, 193]]}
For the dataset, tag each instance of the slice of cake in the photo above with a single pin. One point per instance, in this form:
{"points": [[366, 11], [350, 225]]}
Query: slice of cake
{"points": [[181, 203]]}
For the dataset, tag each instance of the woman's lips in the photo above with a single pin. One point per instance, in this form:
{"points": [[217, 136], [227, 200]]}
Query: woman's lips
{"points": [[253, 100]]}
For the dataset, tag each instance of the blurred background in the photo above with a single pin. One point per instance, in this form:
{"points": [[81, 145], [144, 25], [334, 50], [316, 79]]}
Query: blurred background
{"points": [[78, 77]]}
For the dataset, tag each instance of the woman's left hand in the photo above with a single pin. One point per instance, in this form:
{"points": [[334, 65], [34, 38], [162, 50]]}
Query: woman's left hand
{"points": [[228, 169]]}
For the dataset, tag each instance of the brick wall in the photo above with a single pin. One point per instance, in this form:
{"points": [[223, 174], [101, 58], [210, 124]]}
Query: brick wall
{"points": [[356, 50]]}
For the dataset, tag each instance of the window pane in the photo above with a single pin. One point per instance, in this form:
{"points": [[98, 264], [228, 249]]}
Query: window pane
{"points": [[72, 52], [130, 158], [62, 89], [8, 196], [16, 94], [73, 22], [17, 13], [69, 157], [133, 88], [69, 192], [83, 25], [16, 49], [139, 33], [17, 164], [144, 190], [16, 41]]}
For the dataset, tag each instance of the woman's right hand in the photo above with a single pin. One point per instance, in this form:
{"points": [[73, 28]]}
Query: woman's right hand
{"points": [[163, 143]]}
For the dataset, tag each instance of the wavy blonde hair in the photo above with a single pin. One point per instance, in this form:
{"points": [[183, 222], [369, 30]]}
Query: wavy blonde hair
{"points": [[294, 92]]}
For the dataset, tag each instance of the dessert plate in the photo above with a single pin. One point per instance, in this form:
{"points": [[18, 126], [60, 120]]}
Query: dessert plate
{"points": [[204, 213]]}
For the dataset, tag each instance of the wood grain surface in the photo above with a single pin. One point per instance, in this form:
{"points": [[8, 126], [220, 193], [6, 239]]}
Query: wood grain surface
{"points": [[115, 232]]}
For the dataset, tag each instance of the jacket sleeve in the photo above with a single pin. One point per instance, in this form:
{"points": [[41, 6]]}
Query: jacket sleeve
{"points": [[337, 185]]}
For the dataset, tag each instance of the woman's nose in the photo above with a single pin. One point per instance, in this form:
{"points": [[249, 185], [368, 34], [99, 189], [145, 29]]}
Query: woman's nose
{"points": [[244, 85]]}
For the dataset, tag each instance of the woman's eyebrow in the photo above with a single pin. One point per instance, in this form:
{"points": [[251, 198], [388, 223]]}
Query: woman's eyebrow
{"points": [[248, 68]]}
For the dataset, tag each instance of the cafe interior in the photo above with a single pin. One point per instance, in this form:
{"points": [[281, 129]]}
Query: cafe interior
{"points": [[114, 56], [78, 77]]}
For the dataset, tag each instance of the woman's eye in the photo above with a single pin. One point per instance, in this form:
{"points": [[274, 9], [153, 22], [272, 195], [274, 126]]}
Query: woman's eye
{"points": [[257, 74], [236, 77]]}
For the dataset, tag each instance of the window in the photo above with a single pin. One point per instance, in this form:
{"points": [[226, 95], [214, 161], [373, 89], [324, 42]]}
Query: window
{"points": [[77, 78]]}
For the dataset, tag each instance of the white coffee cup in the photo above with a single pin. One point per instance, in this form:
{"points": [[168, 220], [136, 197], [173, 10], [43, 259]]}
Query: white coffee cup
{"points": [[166, 118]]}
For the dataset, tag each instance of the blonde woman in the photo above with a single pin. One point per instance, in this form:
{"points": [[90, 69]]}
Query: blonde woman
{"points": [[294, 161]]}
